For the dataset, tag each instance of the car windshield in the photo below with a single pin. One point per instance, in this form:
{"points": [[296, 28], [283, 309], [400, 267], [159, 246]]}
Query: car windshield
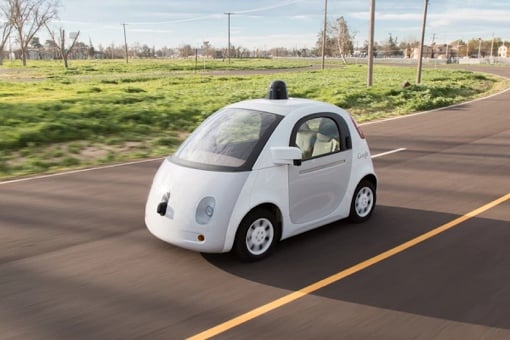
{"points": [[231, 138]]}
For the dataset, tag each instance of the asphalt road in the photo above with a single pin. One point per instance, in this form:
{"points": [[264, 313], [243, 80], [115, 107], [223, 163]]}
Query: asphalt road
{"points": [[76, 261]]}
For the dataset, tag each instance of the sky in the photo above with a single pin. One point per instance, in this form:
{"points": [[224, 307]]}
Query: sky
{"points": [[264, 24]]}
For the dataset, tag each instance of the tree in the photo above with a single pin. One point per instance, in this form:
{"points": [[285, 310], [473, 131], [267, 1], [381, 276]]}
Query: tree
{"points": [[338, 39], [91, 52], [35, 43], [343, 38], [185, 51], [51, 48], [375, 49], [279, 52], [27, 17], [390, 46], [146, 51], [330, 43], [60, 44], [458, 47], [207, 49], [475, 45], [6, 28], [407, 47]]}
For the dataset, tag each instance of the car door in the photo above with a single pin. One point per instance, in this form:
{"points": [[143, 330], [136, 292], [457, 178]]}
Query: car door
{"points": [[318, 184]]}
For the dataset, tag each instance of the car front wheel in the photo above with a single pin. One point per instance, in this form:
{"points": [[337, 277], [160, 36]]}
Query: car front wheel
{"points": [[363, 202], [256, 236]]}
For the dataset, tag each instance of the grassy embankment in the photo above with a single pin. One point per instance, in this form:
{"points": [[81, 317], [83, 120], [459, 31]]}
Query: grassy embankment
{"points": [[100, 112]]}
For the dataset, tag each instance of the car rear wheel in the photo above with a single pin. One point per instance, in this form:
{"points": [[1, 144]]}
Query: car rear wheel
{"points": [[363, 202], [256, 236]]}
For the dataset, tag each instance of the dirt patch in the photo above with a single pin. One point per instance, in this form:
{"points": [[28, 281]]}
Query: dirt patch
{"points": [[19, 75]]}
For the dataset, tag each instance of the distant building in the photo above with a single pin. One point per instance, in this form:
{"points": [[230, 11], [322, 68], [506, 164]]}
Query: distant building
{"points": [[99, 55], [443, 51], [427, 52], [34, 54], [435, 51], [503, 51]]}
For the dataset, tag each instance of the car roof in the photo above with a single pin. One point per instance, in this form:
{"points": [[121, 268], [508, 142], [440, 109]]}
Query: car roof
{"points": [[285, 107]]}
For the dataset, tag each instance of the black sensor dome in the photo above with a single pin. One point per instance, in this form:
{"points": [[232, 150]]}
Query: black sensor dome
{"points": [[277, 90]]}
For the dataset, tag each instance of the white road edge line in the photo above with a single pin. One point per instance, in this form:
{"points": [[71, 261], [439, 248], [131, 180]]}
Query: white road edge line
{"points": [[388, 152], [80, 170], [131, 163]]}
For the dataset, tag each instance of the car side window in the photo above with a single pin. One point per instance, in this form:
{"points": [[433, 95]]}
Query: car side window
{"points": [[317, 136]]}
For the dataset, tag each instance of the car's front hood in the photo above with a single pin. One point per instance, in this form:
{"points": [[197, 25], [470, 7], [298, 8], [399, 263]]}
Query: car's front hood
{"points": [[183, 188]]}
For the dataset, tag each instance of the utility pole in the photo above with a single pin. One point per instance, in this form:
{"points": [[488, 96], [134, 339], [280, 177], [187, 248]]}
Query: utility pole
{"points": [[324, 32], [420, 55], [228, 51], [433, 46], [125, 42], [479, 47], [492, 46], [10, 49], [371, 43]]}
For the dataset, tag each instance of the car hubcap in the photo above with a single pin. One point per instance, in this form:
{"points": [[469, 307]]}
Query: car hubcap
{"points": [[364, 202], [259, 236]]}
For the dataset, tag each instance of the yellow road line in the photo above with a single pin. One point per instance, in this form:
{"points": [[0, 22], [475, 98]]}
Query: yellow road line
{"points": [[225, 326]]}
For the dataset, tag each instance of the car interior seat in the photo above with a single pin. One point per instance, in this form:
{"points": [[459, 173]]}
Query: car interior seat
{"points": [[327, 138], [305, 139]]}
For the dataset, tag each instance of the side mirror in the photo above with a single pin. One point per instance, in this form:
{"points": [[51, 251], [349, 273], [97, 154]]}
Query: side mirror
{"points": [[286, 155]]}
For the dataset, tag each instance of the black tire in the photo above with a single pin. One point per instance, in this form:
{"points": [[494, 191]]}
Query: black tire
{"points": [[363, 202], [256, 236]]}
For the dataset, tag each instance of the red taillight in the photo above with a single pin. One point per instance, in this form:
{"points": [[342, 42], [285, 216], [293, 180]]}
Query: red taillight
{"points": [[360, 132]]}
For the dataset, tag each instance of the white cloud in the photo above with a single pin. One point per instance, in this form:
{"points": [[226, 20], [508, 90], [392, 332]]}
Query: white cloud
{"points": [[301, 17], [139, 30], [470, 16], [380, 16]]}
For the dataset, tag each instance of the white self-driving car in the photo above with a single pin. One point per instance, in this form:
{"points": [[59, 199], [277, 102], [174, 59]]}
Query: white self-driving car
{"points": [[260, 171]]}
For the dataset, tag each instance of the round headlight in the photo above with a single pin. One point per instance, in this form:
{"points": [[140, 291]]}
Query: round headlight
{"points": [[209, 211], [205, 210]]}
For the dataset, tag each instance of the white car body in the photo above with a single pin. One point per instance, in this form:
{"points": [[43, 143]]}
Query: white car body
{"points": [[302, 196]]}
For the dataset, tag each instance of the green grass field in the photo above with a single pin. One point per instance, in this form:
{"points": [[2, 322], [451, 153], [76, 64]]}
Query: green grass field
{"points": [[104, 111]]}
